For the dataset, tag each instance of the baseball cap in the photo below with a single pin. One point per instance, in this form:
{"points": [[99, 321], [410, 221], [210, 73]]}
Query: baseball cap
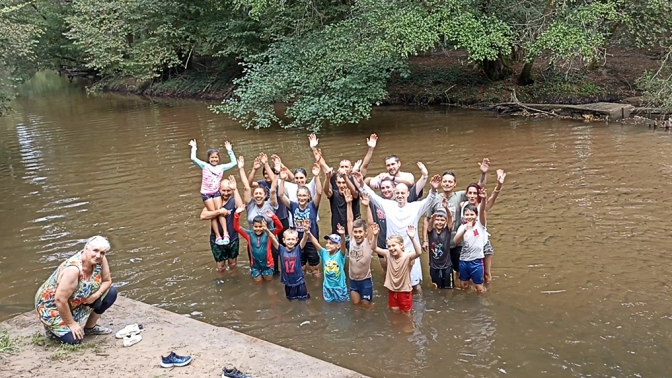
{"points": [[333, 238], [441, 213]]}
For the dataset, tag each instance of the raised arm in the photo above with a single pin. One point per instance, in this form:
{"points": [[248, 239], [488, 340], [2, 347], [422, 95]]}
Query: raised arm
{"points": [[313, 239], [341, 232], [423, 179], [429, 201], [238, 201], [317, 153], [255, 167], [247, 192], [482, 211], [232, 157], [373, 197], [264, 160], [405, 178], [271, 235], [495, 193], [304, 239], [371, 141], [236, 223], [351, 186], [348, 206], [327, 183], [449, 215], [317, 197], [483, 168], [194, 159], [278, 166], [411, 234], [272, 196], [276, 222], [281, 189]]}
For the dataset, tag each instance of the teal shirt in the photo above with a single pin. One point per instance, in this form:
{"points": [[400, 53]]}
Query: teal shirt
{"points": [[334, 288]]}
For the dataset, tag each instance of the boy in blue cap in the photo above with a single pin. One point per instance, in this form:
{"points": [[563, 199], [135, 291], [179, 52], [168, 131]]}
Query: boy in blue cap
{"points": [[334, 288]]}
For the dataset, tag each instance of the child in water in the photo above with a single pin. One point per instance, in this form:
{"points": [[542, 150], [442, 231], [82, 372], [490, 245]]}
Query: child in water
{"points": [[474, 235], [259, 243], [333, 265], [398, 274], [290, 260], [211, 179], [440, 266]]}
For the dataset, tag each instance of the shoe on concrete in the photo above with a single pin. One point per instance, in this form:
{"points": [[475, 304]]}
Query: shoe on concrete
{"points": [[97, 330], [173, 360], [132, 339], [233, 373], [131, 329]]}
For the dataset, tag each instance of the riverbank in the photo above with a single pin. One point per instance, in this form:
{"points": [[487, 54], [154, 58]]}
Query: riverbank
{"points": [[448, 78], [212, 348]]}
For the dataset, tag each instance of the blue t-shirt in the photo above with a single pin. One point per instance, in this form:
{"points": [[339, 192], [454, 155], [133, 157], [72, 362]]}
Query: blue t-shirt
{"points": [[333, 286], [290, 261], [310, 213], [281, 211]]}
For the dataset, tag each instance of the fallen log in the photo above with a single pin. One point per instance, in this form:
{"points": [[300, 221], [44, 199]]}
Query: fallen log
{"points": [[608, 110]]}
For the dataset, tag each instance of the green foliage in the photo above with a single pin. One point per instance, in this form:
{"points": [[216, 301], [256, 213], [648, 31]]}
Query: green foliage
{"points": [[8, 344], [658, 85]]}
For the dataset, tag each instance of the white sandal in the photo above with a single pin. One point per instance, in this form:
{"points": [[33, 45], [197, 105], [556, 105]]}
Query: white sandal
{"points": [[132, 339], [129, 330]]}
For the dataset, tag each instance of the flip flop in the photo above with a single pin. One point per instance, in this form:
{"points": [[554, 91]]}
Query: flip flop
{"points": [[131, 329], [132, 339]]}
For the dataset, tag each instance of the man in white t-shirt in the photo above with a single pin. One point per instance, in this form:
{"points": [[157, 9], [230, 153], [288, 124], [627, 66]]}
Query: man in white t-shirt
{"points": [[400, 214]]}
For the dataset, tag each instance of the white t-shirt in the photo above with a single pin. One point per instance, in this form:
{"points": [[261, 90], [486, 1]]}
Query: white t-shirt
{"points": [[474, 241], [399, 218]]}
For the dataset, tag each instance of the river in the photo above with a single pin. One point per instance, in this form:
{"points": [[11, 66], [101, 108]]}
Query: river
{"points": [[580, 232]]}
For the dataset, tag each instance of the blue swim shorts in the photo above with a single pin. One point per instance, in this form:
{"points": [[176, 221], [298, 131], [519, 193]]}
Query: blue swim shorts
{"points": [[472, 270], [364, 288]]}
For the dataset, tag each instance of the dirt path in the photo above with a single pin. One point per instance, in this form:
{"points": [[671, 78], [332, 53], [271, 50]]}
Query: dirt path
{"points": [[104, 356]]}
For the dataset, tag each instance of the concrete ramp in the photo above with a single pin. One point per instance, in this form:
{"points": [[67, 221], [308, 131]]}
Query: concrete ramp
{"points": [[212, 348]]}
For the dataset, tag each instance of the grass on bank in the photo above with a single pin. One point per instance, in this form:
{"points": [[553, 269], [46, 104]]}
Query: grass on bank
{"points": [[8, 345], [64, 351]]}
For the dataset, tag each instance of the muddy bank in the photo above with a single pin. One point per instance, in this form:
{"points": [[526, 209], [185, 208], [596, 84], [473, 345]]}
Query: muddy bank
{"points": [[103, 356]]}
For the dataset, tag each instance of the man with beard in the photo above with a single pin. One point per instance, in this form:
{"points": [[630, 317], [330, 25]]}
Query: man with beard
{"points": [[231, 199]]}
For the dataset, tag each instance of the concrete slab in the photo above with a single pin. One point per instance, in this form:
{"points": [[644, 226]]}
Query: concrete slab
{"points": [[212, 348]]}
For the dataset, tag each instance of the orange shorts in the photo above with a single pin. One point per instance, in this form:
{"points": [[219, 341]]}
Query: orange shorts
{"points": [[403, 300]]}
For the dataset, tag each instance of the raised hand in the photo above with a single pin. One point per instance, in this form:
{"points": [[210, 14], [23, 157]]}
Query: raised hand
{"points": [[269, 213], [316, 169], [364, 198], [306, 224], [423, 169], [375, 229], [312, 139], [227, 145], [358, 177], [232, 182], [483, 193], [192, 143], [340, 230], [342, 172], [240, 209], [372, 141], [410, 231], [264, 225], [241, 162], [436, 181], [284, 173], [444, 202], [357, 166], [257, 163], [347, 195], [277, 163], [484, 165], [501, 176], [263, 158]]}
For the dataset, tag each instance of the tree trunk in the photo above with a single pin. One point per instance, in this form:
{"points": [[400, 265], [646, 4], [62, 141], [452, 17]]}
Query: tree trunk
{"points": [[498, 69], [525, 77]]}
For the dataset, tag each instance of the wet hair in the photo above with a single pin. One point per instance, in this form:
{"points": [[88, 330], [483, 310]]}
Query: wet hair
{"points": [[212, 151], [301, 170], [358, 223], [258, 219], [395, 157], [387, 178], [472, 208], [397, 238], [478, 191], [290, 232], [449, 173], [99, 242]]}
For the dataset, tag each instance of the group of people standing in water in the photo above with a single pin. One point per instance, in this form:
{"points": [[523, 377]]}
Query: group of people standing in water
{"points": [[377, 215]]}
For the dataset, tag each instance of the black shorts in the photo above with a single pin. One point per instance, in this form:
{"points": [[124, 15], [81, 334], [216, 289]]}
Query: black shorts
{"points": [[299, 292], [224, 252], [309, 255], [455, 257], [442, 278]]}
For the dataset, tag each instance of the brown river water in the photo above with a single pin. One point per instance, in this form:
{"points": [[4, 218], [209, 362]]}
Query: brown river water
{"points": [[580, 232]]}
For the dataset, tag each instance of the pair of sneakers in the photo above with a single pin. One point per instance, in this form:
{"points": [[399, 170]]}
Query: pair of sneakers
{"points": [[130, 334], [226, 240]]}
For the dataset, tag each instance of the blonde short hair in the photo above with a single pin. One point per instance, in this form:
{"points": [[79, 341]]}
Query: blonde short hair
{"points": [[396, 238], [99, 242], [290, 232]]}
